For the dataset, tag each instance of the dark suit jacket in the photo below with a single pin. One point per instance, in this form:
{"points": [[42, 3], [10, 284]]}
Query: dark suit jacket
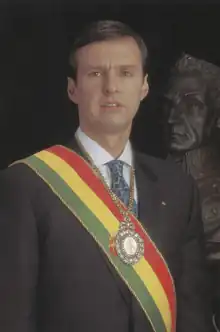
{"points": [[55, 278]]}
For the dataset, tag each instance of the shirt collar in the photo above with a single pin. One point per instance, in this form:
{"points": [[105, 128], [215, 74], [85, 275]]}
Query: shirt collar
{"points": [[99, 155]]}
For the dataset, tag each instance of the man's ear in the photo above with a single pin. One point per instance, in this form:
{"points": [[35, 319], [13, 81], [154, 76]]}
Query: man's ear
{"points": [[145, 88], [72, 90]]}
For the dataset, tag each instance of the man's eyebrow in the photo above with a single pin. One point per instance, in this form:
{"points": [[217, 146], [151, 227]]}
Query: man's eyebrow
{"points": [[118, 66]]}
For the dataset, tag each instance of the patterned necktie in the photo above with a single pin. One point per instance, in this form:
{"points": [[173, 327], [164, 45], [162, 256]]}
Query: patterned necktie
{"points": [[119, 185]]}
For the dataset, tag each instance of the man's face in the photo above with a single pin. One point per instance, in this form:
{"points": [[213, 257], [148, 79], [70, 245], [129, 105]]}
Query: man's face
{"points": [[188, 113], [109, 86]]}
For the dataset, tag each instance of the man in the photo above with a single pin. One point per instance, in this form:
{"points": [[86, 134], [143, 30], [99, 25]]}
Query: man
{"points": [[194, 103], [94, 236]]}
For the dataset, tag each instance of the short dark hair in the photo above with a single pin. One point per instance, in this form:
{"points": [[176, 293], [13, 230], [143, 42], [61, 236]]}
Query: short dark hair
{"points": [[101, 31]]}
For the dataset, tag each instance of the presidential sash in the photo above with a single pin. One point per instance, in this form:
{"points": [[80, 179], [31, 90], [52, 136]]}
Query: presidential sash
{"points": [[73, 180]]}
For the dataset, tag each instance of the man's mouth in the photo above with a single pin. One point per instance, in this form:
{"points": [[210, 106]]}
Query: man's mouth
{"points": [[111, 104]]}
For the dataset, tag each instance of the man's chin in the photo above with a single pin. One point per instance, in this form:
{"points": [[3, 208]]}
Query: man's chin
{"points": [[112, 127]]}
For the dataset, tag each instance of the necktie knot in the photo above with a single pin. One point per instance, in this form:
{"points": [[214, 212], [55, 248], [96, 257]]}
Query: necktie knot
{"points": [[116, 168]]}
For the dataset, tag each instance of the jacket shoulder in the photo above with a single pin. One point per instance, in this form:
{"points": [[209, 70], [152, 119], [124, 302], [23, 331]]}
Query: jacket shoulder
{"points": [[165, 170], [19, 176]]}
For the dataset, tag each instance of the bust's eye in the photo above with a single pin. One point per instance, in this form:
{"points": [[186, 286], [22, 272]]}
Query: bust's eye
{"points": [[193, 100]]}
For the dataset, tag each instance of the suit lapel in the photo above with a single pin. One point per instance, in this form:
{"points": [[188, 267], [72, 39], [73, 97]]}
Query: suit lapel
{"points": [[148, 194]]}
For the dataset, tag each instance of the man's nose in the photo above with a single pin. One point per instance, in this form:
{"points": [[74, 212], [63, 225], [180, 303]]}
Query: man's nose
{"points": [[111, 84]]}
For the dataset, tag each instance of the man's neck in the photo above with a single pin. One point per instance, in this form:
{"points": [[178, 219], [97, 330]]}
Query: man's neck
{"points": [[114, 144]]}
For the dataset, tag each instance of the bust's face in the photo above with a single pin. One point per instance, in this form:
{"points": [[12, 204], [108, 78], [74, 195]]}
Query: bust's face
{"points": [[188, 113]]}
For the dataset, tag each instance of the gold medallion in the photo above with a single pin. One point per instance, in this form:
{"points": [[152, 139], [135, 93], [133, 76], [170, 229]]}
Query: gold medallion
{"points": [[128, 244]]}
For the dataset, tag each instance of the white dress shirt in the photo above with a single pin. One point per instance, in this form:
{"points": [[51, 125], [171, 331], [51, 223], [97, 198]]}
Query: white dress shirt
{"points": [[100, 157]]}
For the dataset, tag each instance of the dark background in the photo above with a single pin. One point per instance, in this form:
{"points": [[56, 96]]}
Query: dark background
{"points": [[35, 40]]}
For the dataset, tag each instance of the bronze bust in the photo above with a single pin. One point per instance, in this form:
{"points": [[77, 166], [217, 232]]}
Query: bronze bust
{"points": [[192, 100]]}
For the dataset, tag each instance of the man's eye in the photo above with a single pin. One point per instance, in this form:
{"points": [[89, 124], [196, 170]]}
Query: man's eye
{"points": [[127, 73], [95, 73]]}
